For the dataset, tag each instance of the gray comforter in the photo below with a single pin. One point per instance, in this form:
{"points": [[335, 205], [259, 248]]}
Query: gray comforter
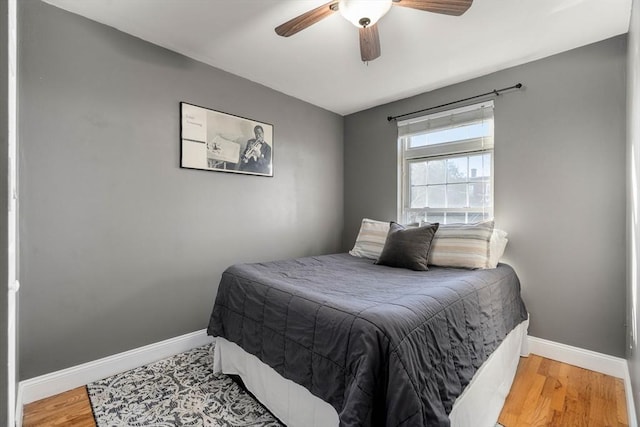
{"points": [[384, 346]]}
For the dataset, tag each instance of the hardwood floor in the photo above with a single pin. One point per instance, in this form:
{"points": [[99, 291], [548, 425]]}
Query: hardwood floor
{"points": [[544, 393], [550, 393], [71, 408]]}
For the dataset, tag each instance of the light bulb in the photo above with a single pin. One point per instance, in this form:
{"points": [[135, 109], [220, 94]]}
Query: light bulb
{"points": [[363, 13]]}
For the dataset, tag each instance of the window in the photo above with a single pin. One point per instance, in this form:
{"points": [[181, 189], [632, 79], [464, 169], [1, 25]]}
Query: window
{"points": [[446, 166]]}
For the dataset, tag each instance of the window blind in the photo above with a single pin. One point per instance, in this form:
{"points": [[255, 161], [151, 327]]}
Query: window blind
{"points": [[462, 129]]}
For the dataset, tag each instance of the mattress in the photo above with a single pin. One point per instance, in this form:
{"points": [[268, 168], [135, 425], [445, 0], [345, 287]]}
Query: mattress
{"points": [[479, 405], [382, 346]]}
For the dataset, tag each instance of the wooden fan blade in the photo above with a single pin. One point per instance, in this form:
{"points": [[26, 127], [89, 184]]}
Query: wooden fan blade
{"points": [[369, 43], [307, 19], [446, 7]]}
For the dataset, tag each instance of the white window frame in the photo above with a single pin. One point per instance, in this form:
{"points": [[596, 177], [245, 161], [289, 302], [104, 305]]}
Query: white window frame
{"points": [[459, 148]]}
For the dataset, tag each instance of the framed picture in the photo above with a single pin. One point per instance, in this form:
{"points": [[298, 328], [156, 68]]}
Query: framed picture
{"points": [[211, 140]]}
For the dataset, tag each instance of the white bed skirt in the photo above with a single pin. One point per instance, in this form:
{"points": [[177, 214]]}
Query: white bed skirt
{"points": [[478, 406]]}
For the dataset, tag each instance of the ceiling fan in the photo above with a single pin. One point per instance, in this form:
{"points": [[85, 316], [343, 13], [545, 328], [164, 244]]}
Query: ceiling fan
{"points": [[365, 13]]}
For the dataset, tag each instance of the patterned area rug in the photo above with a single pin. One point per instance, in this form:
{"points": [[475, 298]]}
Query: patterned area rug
{"points": [[178, 391]]}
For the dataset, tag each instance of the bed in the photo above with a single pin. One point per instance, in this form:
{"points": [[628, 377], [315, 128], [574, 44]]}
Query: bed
{"points": [[338, 340]]}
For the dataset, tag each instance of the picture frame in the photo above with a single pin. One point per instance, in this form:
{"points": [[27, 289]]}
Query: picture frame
{"points": [[216, 141]]}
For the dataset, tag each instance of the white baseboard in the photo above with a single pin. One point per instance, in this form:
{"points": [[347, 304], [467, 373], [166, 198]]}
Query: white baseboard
{"points": [[57, 382], [587, 359]]}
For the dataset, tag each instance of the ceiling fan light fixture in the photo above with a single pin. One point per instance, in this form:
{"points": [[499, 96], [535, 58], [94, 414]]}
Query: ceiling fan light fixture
{"points": [[360, 11]]}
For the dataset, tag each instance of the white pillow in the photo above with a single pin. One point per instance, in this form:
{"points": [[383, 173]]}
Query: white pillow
{"points": [[497, 244], [371, 238]]}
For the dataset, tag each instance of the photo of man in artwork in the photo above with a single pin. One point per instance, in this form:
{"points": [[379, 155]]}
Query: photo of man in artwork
{"points": [[256, 156]]}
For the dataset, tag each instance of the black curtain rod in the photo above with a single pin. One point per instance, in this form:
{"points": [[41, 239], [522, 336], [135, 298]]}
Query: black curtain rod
{"points": [[495, 92]]}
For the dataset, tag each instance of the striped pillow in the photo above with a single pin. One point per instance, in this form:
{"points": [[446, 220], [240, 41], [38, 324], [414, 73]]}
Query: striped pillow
{"points": [[371, 238], [462, 245]]}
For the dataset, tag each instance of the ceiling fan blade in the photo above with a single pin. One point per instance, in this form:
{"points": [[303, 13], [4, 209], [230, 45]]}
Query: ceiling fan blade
{"points": [[446, 7], [307, 19], [369, 43]]}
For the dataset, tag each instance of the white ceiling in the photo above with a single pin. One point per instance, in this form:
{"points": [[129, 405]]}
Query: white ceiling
{"points": [[421, 51]]}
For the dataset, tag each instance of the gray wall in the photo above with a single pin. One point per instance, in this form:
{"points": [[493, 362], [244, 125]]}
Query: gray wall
{"points": [[633, 198], [119, 246], [3, 208], [559, 189]]}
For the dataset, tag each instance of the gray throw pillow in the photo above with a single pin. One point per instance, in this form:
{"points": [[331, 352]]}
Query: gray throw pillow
{"points": [[408, 247]]}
